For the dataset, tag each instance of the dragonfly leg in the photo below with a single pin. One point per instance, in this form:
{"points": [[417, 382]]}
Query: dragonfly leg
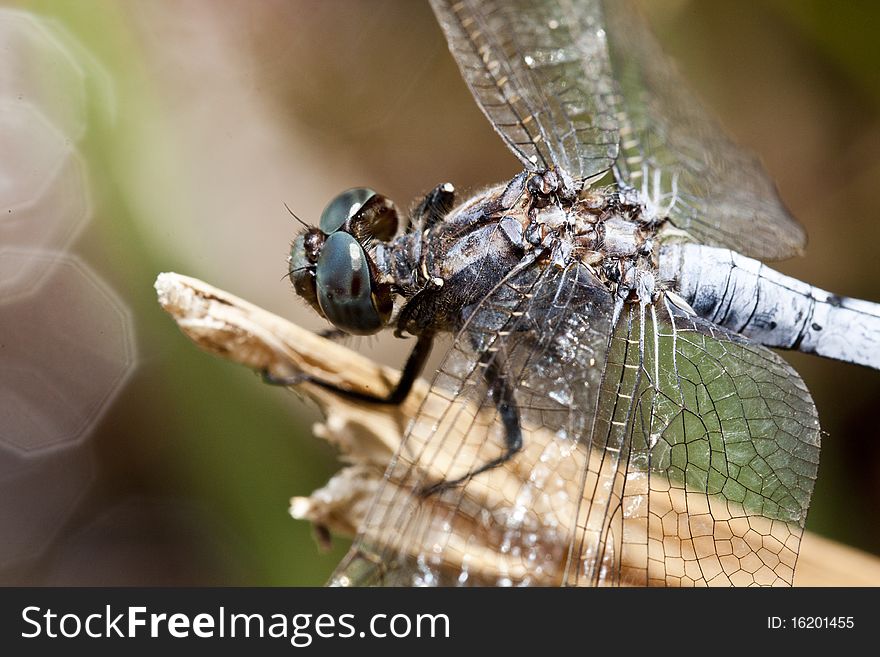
{"points": [[435, 206], [411, 370], [505, 403]]}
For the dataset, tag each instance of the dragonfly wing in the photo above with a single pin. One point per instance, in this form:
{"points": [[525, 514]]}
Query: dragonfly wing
{"points": [[540, 71], [678, 155], [548, 329], [706, 449], [583, 84], [690, 461]]}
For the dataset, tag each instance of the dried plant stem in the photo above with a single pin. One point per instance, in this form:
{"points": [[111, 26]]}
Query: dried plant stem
{"points": [[367, 435]]}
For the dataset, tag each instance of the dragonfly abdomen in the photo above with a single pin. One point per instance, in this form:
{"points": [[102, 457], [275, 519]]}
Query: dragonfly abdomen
{"points": [[748, 297]]}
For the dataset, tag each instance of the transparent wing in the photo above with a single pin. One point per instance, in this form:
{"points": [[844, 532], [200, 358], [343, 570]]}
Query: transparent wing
{"points": [[547, 331], [583, 84], [678, 155], [707, 449], [540, 72], [697, 468]]}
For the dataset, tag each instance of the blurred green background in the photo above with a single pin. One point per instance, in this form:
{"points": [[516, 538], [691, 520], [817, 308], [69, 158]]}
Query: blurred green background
{"points": [[202, 118]]}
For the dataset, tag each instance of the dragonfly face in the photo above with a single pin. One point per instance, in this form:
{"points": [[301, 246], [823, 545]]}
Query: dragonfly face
{"points": [[331, 268], [587, 425]]}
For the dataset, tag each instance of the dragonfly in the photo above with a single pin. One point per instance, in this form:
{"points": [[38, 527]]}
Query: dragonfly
{"points": [[608, 410]]}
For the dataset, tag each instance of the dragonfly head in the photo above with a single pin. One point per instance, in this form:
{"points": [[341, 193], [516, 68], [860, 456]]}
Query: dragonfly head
{"points": [[331, 268]]}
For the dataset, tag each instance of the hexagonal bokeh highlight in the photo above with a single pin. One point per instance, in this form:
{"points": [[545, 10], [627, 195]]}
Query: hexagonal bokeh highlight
{"points": [[37, 497], [48, 83], [45, 67], [67, 349], [44, 198]]}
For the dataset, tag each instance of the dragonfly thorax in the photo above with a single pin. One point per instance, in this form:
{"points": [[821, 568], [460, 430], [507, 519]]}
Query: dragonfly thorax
{"points": [[536, 220], [444, 260], [602, 229]]}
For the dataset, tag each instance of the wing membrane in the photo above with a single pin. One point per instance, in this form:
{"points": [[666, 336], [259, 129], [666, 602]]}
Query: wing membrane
{"points": [[678, 155], [691, 462], [540, 72], [511, 524], [582, 84], [709, 449]]}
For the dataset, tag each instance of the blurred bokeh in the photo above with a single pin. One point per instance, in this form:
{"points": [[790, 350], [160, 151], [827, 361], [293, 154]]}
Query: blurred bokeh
{"points": [[146, 136]]}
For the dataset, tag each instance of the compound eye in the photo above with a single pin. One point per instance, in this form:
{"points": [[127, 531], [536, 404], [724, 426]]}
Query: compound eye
{"points": [[302, 269], [344, 286], [344, 207]]}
